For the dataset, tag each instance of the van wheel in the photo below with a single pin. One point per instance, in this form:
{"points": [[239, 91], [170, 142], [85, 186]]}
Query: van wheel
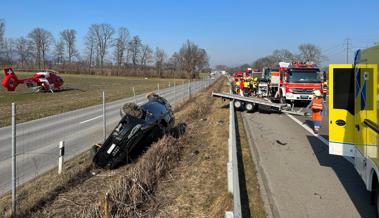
{"points": [[377, 202]]}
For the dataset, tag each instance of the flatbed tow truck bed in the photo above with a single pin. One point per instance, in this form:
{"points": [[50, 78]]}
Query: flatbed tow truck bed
{"points": [[251, 102]]}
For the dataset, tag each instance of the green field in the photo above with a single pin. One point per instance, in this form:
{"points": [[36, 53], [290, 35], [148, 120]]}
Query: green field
{"points": [[78, 91]]}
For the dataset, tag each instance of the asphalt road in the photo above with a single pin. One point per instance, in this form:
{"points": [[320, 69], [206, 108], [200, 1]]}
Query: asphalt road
{"points": [[300, 178], [38, 140]]}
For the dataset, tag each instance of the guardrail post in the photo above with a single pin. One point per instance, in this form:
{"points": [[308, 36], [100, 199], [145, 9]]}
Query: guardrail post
{"points": [[61, 157], [134, 95], [158, 89], [13, 160], [175, 91], [189, 89]]}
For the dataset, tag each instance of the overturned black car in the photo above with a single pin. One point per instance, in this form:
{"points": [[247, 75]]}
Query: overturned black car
{"points": [[138, 127]]}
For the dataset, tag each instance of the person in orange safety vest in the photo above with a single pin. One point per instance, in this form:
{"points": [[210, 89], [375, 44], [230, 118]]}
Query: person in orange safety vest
{"points": [[317, 107]]}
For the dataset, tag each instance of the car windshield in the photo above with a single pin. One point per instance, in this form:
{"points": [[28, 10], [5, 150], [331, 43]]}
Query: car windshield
{"points": [[304, 76]]}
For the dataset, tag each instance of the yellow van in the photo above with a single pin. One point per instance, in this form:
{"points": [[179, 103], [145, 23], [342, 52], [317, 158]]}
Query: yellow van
{"points": [[353, 114]]}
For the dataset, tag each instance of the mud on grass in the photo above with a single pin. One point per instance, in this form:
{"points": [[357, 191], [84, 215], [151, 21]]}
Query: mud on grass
{"points": [[131, 189]]}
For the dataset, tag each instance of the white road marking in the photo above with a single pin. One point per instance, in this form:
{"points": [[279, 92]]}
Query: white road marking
{"points": [[322, 139], [306, 127], [91, 119]]}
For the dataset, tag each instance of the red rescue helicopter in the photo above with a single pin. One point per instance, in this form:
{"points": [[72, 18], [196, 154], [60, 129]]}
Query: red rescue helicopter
{"points": [[47, 81]]}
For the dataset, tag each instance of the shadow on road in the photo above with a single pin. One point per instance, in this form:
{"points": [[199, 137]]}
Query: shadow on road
{"points": [[347, 175]]}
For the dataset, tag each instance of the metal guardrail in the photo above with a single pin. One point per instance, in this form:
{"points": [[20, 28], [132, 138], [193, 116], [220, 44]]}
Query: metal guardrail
{"points": [[232, 166]]}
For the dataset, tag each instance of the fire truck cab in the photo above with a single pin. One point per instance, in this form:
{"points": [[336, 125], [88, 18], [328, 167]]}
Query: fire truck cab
{"points": [[296, 81]]}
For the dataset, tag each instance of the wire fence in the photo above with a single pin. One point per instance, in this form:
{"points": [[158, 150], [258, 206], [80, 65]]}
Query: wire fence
{"points": [[37, 141]]}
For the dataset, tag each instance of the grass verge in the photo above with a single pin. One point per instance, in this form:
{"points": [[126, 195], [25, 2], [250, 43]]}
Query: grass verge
{"points": [[78, 91]]}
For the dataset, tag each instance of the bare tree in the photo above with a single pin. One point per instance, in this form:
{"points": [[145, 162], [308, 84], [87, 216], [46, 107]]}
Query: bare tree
{"points": [[59, 52], [283, 55], [90, 45], [147, 55], [135, 50], [121, 45], [2, 31], [68, 38], [160, 58], [9, 51], [41, 40], [192, 58], [174, 63], [103, 36], [310, 52], [23, 50], [202, 60], [221, 67]]}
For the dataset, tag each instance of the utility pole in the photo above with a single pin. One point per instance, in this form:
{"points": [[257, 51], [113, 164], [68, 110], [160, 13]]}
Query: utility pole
{"points": [[347, 50]]}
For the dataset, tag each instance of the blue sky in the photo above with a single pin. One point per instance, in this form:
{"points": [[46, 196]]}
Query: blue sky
{"points": [[232, 31]]}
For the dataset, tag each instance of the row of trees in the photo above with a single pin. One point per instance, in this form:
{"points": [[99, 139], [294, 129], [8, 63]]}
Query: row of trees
{"points": [[106, 51], [306, 52]]}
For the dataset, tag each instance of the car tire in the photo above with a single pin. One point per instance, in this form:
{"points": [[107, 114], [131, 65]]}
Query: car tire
{"points": [[131, 109]]}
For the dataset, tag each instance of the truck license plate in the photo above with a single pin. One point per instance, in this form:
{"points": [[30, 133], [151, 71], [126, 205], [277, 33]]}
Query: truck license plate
{"points": [[304, 97]]}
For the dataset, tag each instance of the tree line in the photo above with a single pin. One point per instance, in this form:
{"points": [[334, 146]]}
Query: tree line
{"points": [[106, 51], [306, 52]]}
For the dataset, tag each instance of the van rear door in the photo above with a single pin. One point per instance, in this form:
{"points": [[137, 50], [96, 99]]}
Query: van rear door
{"points": [[341, 109]]}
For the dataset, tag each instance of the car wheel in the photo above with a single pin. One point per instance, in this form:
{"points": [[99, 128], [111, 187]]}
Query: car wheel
{"points": [[131, 109]]}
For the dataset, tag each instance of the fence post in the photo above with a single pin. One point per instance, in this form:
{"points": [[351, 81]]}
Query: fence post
{"points": [[104, 118], [174, 91], [189, 89], [13, 160], [61, 157], [134, 94]]}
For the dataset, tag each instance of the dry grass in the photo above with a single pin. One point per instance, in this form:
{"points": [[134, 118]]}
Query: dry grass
{"points": [[34, 195], [197, 186]]}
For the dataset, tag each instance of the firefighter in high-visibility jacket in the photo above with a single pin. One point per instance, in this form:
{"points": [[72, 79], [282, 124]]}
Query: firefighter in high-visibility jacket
{"points": [[246, 87], [317, 107], [242, 87]]}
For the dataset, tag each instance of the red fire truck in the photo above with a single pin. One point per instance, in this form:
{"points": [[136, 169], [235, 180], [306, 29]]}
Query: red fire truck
{"points": [[295, 81]]}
